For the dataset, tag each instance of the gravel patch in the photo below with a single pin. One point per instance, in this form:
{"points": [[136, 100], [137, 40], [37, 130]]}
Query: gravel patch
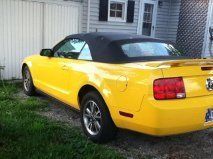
{"points": [[197, 145]]}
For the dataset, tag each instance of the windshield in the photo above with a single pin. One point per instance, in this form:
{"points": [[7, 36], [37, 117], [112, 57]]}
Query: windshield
{"points": [[149, 49]]}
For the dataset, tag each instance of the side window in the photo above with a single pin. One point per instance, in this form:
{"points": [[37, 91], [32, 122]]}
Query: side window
{"points": [[85, 53], [70, 49]]}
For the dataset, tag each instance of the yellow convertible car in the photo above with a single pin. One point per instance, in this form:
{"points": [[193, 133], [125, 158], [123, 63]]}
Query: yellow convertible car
{"points": [[125, 81]]}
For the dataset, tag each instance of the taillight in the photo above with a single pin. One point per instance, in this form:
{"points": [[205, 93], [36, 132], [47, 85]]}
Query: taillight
{"points": [[169, 88]]}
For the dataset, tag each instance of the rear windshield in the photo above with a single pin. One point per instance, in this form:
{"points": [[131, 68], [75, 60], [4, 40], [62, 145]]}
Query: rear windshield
{"points": [[149, 49]]}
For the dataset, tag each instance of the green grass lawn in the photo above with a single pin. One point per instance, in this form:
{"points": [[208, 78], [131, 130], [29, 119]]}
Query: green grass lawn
{"points": [[26, 135]]}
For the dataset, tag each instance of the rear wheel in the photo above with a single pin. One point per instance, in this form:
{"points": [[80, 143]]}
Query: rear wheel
{"points": [[95, 118], [28, 86]]}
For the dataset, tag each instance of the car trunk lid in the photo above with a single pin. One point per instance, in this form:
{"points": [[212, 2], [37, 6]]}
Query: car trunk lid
{"points": [[195, 73]]}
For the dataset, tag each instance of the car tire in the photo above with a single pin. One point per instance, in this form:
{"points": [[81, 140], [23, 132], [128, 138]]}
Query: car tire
{"points": [[28, 85], [95, 118]]}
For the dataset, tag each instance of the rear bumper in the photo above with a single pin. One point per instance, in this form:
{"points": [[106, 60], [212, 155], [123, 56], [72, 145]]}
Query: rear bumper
{"points": [[170, 117]]}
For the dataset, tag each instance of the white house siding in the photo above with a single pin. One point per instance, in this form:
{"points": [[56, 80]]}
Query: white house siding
{"points": [[28, 26], [162, 20], [173, 19], [166, 24], [84, 14], [167, 20]]}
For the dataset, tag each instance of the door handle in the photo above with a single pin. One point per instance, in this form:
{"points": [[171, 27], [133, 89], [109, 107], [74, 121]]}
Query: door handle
{"points": [[153, 27], [64, 67]]}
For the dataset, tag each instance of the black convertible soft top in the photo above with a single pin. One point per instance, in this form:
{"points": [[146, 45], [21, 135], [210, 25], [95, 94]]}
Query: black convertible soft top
{"points": [[105, 46]]}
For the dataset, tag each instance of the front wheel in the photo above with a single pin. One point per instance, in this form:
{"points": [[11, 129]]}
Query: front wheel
{"points": [[95, 118], [28, 86]]}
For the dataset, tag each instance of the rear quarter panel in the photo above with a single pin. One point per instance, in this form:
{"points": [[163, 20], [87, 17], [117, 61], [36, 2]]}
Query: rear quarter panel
{"points": [[123, 86]]}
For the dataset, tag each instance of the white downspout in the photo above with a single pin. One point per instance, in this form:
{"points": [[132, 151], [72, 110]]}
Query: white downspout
{"points": [[88, 16]]}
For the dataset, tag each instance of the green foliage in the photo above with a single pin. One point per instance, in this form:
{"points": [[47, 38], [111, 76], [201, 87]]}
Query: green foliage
{"points": [[24, 134]]}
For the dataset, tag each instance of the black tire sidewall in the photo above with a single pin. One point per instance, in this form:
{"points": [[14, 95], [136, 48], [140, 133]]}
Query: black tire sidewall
{"points": [[31, 90], [108, 129]]}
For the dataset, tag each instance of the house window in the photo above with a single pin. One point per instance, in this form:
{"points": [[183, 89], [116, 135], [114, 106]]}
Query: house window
{"points": [[117, 10]]}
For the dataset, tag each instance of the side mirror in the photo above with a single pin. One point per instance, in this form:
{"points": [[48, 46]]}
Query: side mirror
{"points": [[46, 52]]}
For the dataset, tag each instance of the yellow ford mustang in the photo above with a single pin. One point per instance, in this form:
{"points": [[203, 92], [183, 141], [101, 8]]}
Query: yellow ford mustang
{"points": [[125, 81]]}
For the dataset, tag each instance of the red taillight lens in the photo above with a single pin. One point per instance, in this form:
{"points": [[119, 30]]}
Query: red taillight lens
{"points": [[169, 88]]}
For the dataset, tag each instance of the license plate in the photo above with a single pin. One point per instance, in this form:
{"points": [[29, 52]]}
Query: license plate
{"points": [[209, 116]]}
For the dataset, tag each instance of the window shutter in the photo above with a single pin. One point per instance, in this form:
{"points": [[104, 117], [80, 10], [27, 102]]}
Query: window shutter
{"points": [[130, 11], [103, 10]]}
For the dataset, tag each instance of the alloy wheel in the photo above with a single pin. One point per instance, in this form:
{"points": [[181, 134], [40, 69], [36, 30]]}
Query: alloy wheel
{"points": [[27, 80], [92, 118]]}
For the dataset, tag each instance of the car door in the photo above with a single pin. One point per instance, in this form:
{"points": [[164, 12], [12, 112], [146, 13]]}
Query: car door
{"points": [[56, 71]]}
